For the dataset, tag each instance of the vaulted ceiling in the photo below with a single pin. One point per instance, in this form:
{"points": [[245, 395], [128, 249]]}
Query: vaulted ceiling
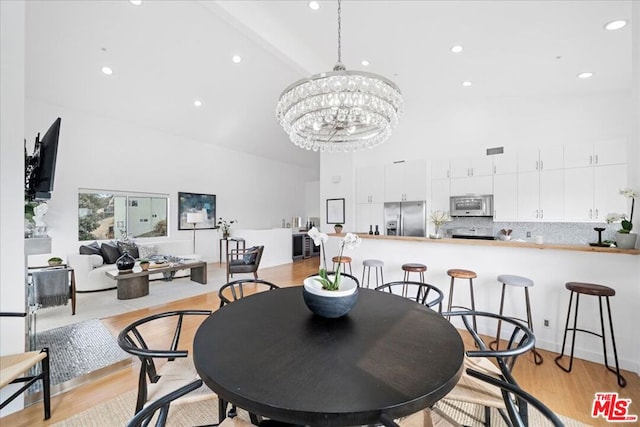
{"points": [[167, 54]]}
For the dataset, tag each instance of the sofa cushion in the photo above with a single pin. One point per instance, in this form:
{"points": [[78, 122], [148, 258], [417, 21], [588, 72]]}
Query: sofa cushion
{"points": [[96, 260], [110, 252], [92, 248], [147, 251], [128, 247], [250, 255]]}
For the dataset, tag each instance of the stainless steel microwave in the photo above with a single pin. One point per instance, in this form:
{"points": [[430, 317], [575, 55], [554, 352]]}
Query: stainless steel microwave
{"points": [[471, 205]]}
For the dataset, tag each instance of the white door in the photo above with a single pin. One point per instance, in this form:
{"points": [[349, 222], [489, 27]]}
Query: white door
{"points": [[578, 194], [528, 196], [552, 195], [505, 197]]}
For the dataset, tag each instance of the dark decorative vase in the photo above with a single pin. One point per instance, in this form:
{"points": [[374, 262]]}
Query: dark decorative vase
{"points": [[125, 262], [331, 304]]}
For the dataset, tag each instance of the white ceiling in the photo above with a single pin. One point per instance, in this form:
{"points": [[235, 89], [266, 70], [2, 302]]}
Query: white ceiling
{"points": [[166, 54]]}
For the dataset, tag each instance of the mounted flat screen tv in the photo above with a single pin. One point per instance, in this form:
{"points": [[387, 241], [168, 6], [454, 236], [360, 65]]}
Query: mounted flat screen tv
{"points": [[41, 166]]}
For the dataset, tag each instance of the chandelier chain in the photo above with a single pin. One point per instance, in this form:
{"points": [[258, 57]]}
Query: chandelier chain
{"points": [[339, 32]]}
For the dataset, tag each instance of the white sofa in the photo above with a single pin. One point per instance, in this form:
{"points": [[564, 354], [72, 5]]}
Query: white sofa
{"points": [[90, 269]]}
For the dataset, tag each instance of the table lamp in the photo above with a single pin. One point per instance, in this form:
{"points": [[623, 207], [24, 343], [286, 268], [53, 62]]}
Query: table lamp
{"points": [[195, 218]]}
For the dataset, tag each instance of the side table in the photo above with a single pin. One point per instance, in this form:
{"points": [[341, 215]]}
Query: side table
{"points": [[238, 241]]}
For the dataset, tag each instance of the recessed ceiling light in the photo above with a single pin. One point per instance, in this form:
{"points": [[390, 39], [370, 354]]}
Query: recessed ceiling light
{"points": [[457, 49], [585, 75], [466, 83], [615, 25], [108, 71], [197, 103], [136, 2], [314, 5], [236, 59], [364, 62]]}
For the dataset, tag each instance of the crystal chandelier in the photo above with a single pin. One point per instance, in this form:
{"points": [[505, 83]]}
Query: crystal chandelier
{"points": [[340, 110]]}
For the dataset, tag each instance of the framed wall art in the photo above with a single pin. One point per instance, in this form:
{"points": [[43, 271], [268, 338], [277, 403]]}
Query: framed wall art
{"points": [[196, 203], [335, 211]]}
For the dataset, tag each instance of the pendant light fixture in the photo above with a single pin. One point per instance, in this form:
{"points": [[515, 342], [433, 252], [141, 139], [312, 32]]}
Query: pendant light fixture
{"points": [[340, 110]]}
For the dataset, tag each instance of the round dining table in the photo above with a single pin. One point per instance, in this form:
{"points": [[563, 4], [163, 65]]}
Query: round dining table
{"points": [[388, 357]]}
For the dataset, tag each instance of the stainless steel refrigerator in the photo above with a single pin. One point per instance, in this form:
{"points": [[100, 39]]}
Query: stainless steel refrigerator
{"points": [[405, 219]]}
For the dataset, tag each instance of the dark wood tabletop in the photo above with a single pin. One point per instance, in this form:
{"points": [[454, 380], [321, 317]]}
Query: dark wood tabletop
{"points": [[271, 356]]}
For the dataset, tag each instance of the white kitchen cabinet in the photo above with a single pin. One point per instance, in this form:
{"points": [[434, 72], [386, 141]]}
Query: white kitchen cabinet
{"points": [[440, 169], [540, 159], [440, 193], [505, 197], [540, 196], [405, 181], [370, 184], [505, 163], [610, 152], [472, 185], [369, 214], [592, 192], [469, 167]]}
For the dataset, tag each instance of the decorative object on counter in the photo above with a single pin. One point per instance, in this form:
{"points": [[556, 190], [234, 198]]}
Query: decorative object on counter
{"points": [[539, 240], [438, 218], [337, 228], [125, 263], [349, 241], [377, 232], [144, 264], [599, 243], [225, 227], [371, 229], [53, 261], [505, 234], [625, 239], [340, 110]]}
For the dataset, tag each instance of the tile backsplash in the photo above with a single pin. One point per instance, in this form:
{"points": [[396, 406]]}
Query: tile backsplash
{"points": [[569, 233]]}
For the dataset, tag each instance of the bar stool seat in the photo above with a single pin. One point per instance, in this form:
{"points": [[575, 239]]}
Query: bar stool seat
{"points": [[376, 264], [414, 267], [342, 260], [520, 282], [459, 273], [600, 291]]}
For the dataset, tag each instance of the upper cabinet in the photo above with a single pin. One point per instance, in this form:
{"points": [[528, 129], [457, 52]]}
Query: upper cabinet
{"points": [[612, 152], [540, 159], [405, 181], [505, 163], [370, 184], [440, 169], [468, 167]]}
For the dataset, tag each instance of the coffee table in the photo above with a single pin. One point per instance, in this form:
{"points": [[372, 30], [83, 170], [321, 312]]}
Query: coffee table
{"points": [[135, 284]]}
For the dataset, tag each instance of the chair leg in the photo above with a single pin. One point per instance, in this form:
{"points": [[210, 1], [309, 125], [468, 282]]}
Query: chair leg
{"points": [[473, 304], [621, 381], [73, 292], [46, 385], [450, 296], [566, 329], [537, 357], [497, 341]]}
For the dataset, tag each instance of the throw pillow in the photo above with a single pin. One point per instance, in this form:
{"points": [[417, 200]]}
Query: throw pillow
{"points": [[110, 252], [128, 247], [90, 249], [250, 255], [147, 251]]}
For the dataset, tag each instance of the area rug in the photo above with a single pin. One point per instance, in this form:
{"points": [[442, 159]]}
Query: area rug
{"points": [[118, 411], [81, 350]]}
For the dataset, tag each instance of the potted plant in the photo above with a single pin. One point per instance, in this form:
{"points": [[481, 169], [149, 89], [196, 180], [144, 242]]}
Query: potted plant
{"points": [[625, 239], [144, 264], [439, 218], [225, 227], [54, 261], [329, 294], [337, 228]]}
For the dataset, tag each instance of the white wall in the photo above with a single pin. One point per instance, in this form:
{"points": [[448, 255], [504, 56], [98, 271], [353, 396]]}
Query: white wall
{"points": [[100, 153]]}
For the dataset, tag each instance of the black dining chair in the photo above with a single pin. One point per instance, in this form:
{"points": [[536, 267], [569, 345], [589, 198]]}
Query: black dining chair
{"points": [[178, 371], [417, 291], [237, 289], [482, 358]]}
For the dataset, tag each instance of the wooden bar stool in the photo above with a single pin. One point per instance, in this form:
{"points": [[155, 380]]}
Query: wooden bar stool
{"points": [[366, 268], [457, 273], [412, 268], [600, 291], [522, 282], [342, 260]]}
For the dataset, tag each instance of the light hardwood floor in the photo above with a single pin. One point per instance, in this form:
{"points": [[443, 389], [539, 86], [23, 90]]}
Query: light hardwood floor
{"points": [[567, 394]]}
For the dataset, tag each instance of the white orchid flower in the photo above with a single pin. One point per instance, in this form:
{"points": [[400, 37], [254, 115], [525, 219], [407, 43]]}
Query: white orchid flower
{"points": [[615, 217], [627, 192], [351, 241], [318, 237]]}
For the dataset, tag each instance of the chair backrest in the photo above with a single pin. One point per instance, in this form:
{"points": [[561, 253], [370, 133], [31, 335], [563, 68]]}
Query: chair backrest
{"points": [[517, 408], [520, 341], [238, 289], [130, 340], [417, 291], [145, 416]]}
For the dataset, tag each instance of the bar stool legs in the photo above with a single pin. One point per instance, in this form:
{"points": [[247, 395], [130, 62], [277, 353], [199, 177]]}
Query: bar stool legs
{"points": [[412, 268], [456, 273], [366, 268], [601, 292]]}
